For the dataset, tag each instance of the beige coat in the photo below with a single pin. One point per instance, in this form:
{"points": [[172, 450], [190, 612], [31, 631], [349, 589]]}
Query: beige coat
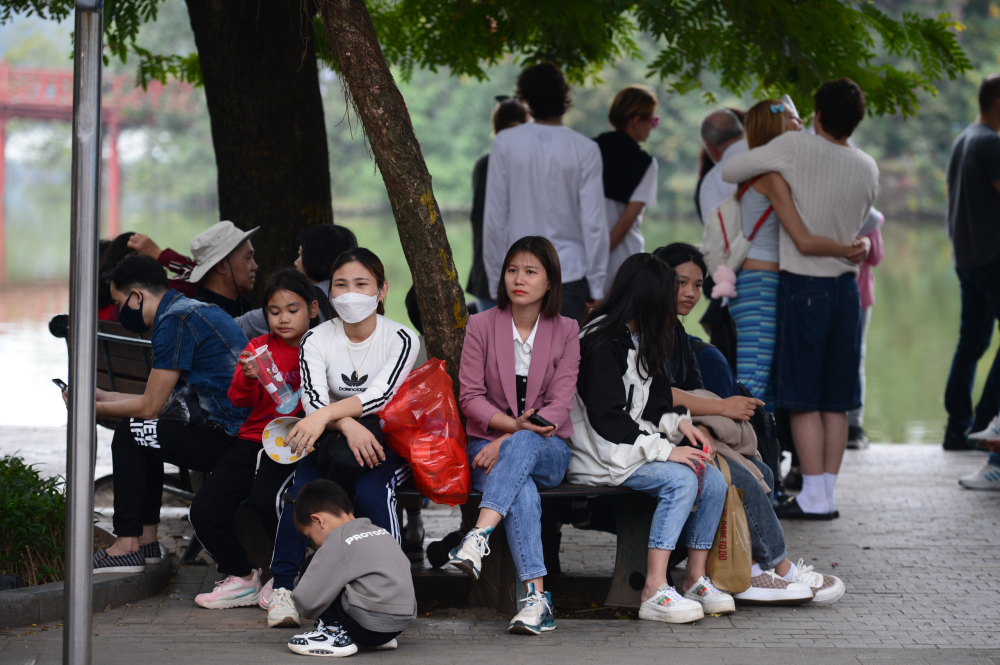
{"points": [[736, 439]]}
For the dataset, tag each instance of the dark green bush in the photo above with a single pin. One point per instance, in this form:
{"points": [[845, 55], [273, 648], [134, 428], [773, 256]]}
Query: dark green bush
{"points": [[33, 523]]}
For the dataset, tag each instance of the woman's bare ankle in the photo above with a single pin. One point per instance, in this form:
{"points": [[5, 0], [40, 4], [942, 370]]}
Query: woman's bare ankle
{"points": [[648, 592], [124, 546]]}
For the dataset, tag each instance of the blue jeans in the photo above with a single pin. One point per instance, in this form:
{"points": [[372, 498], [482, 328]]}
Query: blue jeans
{"points": [[525, 455], [767, 538], [980, 309], [675, 487]]}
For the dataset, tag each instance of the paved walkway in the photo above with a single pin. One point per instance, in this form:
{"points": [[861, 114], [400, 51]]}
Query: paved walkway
{"points": [[918, 554]]}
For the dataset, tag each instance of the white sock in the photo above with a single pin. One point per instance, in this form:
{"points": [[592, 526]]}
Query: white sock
{"points": [[755, 570], [812, 499], [830, 481], [790, 575]]}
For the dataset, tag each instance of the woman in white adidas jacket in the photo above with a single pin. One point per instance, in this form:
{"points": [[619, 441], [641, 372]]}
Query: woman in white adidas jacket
{"points": [[351, 367], [626, 431]]}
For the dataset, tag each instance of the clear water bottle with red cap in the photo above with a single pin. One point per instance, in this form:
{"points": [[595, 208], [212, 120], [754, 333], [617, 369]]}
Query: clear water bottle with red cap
{"points": [[270, 376]]}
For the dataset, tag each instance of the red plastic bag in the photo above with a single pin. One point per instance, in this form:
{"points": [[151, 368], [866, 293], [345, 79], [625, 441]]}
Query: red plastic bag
{"points": [[423, 427]]}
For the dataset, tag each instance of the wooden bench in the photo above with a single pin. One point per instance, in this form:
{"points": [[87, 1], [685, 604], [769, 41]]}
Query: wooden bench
{"points": [[498, 586], [124, 361]]}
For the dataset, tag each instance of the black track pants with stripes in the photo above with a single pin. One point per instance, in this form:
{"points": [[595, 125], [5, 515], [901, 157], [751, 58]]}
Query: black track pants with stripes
{"points": [[372, 490]]}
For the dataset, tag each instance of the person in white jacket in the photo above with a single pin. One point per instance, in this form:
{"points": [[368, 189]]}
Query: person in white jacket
{"points": [[627, 432]]}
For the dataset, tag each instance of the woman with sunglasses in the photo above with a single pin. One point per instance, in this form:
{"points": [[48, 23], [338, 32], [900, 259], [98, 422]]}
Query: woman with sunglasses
{"points": [[629, 171]]}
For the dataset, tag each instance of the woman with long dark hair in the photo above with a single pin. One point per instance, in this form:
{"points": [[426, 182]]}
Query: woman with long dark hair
{"points": [[517, 394], [627, 432]]}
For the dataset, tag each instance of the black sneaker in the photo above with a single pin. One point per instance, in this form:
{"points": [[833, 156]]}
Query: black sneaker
{"points": [[438, 551], [955, 439], [324, 640], [790, 510], [856, 438], [152, 552], [133, 562]]}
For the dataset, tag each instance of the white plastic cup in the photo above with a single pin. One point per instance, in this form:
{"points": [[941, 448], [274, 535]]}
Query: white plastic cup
{"points": [[270, 376]]}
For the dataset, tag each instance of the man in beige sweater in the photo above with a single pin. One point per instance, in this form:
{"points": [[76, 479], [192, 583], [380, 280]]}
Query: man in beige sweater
{"points": [[819, 314]]}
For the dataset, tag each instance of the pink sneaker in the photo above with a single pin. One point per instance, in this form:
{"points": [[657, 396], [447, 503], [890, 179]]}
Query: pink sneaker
{"points": [[233, 591], [265, 595]]}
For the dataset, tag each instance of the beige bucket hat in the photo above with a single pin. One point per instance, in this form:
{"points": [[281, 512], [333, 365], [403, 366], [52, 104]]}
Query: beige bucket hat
{"points": [[215, 244]]}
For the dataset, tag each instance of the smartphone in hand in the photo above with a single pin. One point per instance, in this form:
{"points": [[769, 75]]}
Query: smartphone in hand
{"points": [[538, 421], [62, 384]]}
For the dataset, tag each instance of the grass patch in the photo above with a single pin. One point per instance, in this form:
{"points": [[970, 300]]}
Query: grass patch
{"points": [[33, 523]]}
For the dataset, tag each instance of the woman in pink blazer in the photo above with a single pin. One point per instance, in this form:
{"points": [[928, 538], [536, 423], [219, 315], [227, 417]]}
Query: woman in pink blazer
{"points": [[518, 379]]}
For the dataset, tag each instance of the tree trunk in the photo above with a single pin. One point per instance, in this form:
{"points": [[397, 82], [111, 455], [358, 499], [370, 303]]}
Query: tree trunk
{"points": [[258, 62], [379, 104]]}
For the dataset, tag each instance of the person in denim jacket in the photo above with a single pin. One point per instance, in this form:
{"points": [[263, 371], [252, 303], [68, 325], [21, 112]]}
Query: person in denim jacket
{"points": [[183, 418]]}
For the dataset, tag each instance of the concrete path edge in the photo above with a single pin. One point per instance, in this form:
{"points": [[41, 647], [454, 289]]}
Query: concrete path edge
{"points": [[45, 602]]}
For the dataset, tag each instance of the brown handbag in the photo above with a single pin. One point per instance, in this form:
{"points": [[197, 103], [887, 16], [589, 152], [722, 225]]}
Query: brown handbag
{"points": [[729, 560]]}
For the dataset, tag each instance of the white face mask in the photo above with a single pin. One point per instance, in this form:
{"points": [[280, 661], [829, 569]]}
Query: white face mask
{"points": [[355, 307]]}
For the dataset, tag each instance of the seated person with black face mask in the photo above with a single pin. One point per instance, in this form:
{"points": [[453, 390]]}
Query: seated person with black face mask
{"points": [[225, 267], [183, 418]]}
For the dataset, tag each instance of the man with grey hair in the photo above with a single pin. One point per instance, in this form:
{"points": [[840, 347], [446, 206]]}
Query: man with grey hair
{"points": [[722, 134]]}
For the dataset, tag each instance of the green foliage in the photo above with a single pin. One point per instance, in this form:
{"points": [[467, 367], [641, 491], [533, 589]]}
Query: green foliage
{"points": [[469, 35], [153, 67], [766, 47], [33, 523], [123, 21]]}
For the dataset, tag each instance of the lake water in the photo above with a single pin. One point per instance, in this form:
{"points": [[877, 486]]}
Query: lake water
{"points": [[913, 332]]}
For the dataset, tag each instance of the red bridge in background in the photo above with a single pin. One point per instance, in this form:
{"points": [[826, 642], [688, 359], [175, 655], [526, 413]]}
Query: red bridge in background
{"points": [[44, 94]]}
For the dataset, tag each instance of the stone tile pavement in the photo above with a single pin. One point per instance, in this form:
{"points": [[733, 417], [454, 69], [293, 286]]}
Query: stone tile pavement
{"points": [[919, 556]]}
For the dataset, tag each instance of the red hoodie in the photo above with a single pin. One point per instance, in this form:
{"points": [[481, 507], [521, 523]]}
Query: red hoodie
{"points": [[245, 392]]}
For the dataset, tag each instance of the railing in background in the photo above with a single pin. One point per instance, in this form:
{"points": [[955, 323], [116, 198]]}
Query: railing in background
{"points": [[46, 94]]}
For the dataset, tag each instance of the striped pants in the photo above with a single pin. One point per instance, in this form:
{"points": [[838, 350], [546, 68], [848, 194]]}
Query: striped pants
{"points": [[755, 311]]}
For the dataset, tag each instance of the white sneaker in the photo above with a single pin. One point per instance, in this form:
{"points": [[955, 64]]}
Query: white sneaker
{"points": [[281, 612], [669, 606], [324, 640], [712, 600], [391, 644], [991, 433], [536, 616], [826, 588], [987, 478], [769, 588], [468, 556]]}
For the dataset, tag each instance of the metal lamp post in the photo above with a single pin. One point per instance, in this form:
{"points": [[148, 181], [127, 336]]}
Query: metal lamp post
{"points": [[80, 432]]}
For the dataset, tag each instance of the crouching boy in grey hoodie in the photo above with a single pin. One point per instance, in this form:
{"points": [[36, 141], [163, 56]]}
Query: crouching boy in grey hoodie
{"points": [[358, 586]]}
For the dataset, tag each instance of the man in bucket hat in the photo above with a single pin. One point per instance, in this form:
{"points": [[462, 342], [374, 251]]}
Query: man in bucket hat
{"points": [[225, 267]]}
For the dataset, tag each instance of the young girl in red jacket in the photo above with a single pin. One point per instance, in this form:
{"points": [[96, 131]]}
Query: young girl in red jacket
{"points": [[291, 311]]}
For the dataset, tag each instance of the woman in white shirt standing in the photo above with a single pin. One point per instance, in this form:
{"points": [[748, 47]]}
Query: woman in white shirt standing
{"points": [[629, 172], [351, 367]]}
